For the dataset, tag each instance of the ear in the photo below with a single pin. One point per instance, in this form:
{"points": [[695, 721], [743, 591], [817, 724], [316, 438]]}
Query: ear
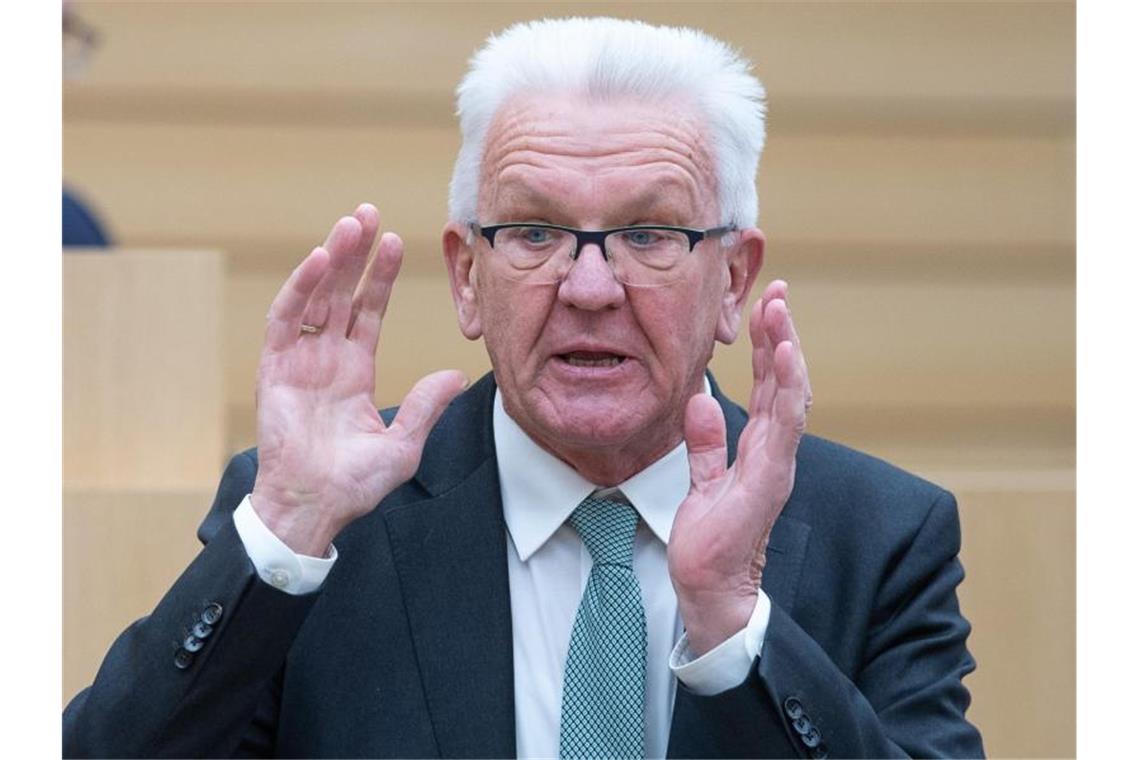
{"points": [[459, 254], [744, 260]]}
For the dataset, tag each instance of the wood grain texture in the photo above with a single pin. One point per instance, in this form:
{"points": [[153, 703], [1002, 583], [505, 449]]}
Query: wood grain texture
{"points": [[908, 50], [122, 549], [1020, 595], [142, 369]]}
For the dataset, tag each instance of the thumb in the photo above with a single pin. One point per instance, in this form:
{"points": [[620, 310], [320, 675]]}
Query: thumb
{"points": [[705, 440], [425, 402]]}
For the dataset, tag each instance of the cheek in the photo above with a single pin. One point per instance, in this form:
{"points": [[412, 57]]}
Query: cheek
{"points": [[490, 294], [683, 327], [512, 317], [680, 326]]}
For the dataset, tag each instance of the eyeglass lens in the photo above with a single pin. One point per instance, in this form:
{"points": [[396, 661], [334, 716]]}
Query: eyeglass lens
{"points": [[645, 256]]}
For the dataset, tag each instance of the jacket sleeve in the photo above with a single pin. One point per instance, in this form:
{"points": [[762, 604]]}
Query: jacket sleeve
{"points": [[195, 677], [905, 699]]}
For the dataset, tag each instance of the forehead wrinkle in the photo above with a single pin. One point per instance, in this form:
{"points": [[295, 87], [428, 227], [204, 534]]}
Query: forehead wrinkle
{"points": [[545, 192], [588, 156], [570, 116], [630, 147]]}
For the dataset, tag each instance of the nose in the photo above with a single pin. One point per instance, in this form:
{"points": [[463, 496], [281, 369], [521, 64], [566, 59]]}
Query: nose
{"points": [[590, 283]]}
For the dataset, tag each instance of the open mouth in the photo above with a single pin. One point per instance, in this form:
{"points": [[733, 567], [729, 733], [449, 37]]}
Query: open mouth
{"points": [[591, 359]]}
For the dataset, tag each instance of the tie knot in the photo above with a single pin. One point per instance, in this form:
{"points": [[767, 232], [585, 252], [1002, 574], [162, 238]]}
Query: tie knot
{"points": [[607, 528]]}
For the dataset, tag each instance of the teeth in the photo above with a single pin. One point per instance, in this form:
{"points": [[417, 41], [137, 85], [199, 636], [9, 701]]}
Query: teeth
{"points": [[575, 361]]}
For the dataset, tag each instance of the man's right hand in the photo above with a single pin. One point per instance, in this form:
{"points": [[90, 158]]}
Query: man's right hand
{"points": [[325, 456]]}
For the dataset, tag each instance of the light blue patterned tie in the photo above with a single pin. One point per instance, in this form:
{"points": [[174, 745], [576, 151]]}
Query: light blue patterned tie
{"points": [[603, 693]]}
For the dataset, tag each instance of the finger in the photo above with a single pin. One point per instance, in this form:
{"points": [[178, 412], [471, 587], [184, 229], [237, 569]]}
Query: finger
{"points": [[789, 414], [777, 323], [369, 219], [348, 266], [331, 301], [424, 404], [776, 289], [763, 382], [375, 289], [761, 348], [705, 439], [780, 327], [284, 320]]}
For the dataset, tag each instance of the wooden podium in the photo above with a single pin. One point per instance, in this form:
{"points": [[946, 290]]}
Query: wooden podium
{"points": [[143, 434]]}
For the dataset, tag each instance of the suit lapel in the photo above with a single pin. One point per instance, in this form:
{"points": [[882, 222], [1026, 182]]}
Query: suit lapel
{"points": [[450, 555]]}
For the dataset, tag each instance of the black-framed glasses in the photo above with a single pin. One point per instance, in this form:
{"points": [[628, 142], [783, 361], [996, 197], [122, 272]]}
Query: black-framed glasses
{"points": [[640, 254]]}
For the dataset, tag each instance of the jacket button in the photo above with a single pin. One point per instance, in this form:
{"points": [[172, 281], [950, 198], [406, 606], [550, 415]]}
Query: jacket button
{"points": [[793, 708], [182, 659], [201, 630], [192, 643], [811, 738], [212, 614], [801, 724]]}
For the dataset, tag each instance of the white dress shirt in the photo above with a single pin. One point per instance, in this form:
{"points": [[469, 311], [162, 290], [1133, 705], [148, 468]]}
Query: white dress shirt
{"points": [[548, 566]]}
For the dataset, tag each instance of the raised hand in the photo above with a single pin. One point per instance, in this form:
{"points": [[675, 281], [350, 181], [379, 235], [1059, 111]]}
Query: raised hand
{"points": [[720, 534], [325, 456]]}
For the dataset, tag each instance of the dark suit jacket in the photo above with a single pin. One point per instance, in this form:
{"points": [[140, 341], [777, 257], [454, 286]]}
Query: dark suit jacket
{"points": [[406, 649]]}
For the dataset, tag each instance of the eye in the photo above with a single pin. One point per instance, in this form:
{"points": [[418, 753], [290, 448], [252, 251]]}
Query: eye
{"points": [[536, 235], [642, 238]]}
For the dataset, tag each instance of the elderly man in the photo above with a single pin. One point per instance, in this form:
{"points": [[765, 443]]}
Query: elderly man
{"points": [[590, 552]]}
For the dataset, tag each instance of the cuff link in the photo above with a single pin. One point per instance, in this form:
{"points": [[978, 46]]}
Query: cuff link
{"points": [[279, 578]]}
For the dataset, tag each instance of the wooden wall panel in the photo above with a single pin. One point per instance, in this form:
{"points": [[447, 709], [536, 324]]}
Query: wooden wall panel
{"points": [[142, 402], [919, 192], [1020, 595], [255, 186], [888, 344], [122, 549], [863, 50]]}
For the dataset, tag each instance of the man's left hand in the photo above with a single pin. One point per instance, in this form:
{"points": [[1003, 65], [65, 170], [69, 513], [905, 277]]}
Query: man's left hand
{"points": [[720, 534]]}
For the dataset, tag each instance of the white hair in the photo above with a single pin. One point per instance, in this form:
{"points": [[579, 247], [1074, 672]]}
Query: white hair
{"points": [[608, 57]]}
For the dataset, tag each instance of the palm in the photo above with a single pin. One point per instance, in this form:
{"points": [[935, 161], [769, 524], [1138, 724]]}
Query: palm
{"points": [[319, 418], [739, 505], [720, 533], [325, 456]]}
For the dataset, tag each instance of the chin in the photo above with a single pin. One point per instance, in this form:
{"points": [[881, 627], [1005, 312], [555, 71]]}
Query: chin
{"points": [[593, 422]]}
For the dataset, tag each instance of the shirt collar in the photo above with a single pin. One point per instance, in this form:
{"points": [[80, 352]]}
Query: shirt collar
{"points": [[540, 491]]}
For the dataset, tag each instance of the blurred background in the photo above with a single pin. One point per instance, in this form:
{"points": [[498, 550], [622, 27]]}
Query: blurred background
{"points": [[917, 191]]}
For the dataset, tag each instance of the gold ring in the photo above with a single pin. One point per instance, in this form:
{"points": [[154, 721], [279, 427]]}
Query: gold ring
{"points": [[312, 329]]}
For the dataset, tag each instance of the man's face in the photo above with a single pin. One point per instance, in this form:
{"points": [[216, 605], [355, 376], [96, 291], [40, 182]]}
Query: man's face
{"points": [[590, 363]]}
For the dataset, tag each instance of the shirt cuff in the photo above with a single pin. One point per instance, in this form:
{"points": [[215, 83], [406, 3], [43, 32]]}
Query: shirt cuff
{"points": [[275, 562], [726, 665]]}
